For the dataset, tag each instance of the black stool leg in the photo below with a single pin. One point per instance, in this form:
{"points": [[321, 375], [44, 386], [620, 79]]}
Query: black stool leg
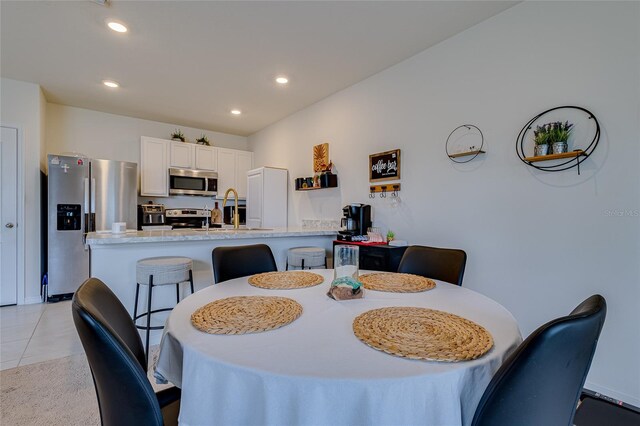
{"points": [[325, 262], [191, 280], [287, 266], [177, 292], [135, 307], [146, 346], [302, 267]]}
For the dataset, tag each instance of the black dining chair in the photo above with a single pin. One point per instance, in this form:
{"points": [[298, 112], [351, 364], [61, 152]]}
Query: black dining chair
{"points": [[117, 361], [436, 263], [540, 383], [240, 261]]}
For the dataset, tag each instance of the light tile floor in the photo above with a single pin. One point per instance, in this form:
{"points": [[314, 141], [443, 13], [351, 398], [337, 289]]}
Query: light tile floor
{"points": [[42, 332], [36, 333]]}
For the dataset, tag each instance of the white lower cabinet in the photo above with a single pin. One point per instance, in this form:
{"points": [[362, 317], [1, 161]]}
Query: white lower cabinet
{"points": [[267, 198]]}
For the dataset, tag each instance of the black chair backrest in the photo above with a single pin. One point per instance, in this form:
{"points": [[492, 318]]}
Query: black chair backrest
{"points": [[540, 383], [436, 263], [116, 357], [240, 261]]}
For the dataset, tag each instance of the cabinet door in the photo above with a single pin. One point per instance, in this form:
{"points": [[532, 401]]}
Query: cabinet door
{"points": [[244, 163], [254, 199], [226, 170], [154, 167], [206, 158], [182, 155]]}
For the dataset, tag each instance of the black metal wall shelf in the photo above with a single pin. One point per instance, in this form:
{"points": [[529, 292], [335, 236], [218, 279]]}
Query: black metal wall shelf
{"points": [[573, 158], [472, 153]]}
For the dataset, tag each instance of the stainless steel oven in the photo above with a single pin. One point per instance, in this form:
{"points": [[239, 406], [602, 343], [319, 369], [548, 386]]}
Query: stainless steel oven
{"points": [[193, 182]]}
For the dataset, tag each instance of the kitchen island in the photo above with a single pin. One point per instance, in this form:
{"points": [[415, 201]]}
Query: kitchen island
{"points": [[114, 256]]}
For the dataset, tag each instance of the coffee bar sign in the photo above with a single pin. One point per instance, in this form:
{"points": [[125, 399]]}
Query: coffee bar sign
{"points": [[384, 166]]}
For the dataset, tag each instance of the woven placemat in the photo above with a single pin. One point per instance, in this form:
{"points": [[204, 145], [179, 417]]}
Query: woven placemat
{"points": [[245, 314], [420, 333], [285, 280], [396, 282]]}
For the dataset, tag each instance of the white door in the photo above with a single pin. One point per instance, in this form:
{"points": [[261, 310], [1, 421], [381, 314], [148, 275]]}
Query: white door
{"points": [[9, 216]]}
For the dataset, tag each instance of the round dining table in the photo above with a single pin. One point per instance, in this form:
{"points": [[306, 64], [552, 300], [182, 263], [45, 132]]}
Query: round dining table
{"points": [[315, 371]]}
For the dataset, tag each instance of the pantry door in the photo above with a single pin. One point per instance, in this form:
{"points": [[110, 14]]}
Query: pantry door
{"points": [[8, 216]]}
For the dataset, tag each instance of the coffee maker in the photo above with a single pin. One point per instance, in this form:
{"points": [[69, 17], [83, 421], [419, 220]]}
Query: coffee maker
{"points": [[356, 219]]}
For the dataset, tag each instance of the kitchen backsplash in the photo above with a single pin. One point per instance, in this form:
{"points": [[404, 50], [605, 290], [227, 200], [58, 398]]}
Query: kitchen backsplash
{"points": [[320, 223]]}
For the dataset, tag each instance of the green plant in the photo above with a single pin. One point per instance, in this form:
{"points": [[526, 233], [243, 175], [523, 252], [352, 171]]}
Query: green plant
{"points": [[390, 235], [552, 132], [203, 140], [178, 135]]}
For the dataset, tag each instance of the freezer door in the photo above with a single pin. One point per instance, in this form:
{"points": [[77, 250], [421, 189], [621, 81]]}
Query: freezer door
{"points": [[114, 194], [68, 260]]}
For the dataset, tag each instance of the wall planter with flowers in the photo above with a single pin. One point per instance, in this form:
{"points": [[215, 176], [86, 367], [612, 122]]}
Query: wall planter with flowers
{"points": [[551, 140]]}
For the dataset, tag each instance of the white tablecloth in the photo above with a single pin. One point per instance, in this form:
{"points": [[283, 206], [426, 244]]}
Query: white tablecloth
{"points": [[314, 371]]}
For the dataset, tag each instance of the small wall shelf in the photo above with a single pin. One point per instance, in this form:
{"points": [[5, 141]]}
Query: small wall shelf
{"points": [[313, 188], [576, 153], [472, 153], [465, 154], [573, 158]]}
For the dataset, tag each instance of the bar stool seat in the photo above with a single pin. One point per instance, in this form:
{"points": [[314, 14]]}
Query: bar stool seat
{"points": [[155, 272], [306, 257]]}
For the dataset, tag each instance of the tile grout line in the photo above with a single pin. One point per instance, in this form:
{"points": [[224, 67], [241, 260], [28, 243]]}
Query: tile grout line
{"points": [[32, 333]]}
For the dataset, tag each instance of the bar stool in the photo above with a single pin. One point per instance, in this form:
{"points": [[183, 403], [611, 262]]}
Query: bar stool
{"points": [[310, 257], [159, 271]]}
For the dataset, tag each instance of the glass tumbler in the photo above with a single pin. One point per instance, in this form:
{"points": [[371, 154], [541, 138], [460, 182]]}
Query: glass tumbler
{"points": [[345, 262]]}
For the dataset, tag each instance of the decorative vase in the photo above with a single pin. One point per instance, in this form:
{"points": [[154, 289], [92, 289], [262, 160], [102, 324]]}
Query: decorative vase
{"points": [[541, 150], [560, 147]]}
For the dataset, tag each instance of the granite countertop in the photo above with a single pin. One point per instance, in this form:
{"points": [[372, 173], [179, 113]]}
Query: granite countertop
{"points": [[105, 238]]}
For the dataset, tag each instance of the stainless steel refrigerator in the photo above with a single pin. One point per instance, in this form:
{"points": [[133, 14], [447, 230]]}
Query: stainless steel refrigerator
{"points": [[84, 195]]}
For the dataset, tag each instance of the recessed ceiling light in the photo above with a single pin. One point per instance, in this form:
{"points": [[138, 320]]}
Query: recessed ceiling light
{"points": [[117, 27], [236, 112], [110, 83], [282, 80]]}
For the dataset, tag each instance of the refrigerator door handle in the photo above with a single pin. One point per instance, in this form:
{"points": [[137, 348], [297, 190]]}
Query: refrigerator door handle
{"points": [[93, 195], [86, 195]]}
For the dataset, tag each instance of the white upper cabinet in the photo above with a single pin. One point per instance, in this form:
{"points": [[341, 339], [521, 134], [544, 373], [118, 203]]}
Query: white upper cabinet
{"points": [[158, 155], [244, 163], [267, 198], [183, 155], [154, 167], [233, 166], [206, 158]]}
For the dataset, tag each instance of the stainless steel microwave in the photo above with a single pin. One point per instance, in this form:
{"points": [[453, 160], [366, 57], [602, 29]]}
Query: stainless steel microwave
{"points": [[193, 182]]}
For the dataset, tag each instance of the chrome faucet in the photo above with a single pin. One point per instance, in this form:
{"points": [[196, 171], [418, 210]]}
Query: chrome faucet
{"points": [[236, 215]]}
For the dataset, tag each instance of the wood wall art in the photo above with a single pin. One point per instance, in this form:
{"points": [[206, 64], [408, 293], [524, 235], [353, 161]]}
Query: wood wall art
{"points": [[384, 166], [320, 157]]}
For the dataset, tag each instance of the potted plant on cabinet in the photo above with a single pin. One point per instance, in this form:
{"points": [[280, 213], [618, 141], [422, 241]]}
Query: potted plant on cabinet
{"points": [[203, 140], [177, 135]]}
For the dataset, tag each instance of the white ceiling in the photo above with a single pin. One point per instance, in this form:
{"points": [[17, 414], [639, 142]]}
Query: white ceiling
{"points": [[189, 63]]}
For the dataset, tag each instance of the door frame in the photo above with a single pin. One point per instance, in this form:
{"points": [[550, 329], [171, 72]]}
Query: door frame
{"points": [[20, 273]]}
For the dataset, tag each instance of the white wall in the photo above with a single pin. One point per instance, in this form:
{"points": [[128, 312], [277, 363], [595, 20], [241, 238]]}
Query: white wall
{"points": [[537, 242], [116, 137], [22, 105]]}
